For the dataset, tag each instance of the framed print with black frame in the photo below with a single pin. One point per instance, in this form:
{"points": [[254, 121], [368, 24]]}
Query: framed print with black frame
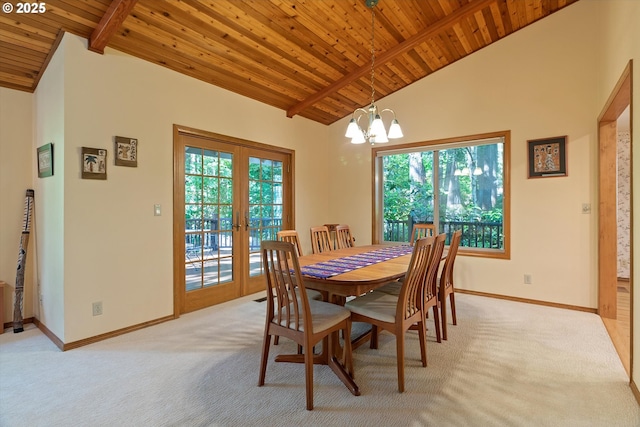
{"points": [[45, 160], [547, 157]]}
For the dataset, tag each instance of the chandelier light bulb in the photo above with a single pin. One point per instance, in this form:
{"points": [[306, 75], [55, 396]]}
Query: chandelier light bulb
{"points": [[395, 131], [353, 129], [358, 138]]}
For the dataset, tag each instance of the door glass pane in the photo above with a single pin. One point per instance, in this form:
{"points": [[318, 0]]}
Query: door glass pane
{"points": [[208, 205], [192, 160], [211, 161], [265, 207]]}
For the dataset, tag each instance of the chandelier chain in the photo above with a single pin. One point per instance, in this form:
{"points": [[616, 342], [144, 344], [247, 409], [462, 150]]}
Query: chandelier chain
{"points": [[374, 131], [373, 57]]}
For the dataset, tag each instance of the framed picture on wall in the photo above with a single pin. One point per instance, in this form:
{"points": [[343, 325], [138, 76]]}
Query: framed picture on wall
{"points": [[94, 163], [547, 157], [126, 150], [45, 160]]}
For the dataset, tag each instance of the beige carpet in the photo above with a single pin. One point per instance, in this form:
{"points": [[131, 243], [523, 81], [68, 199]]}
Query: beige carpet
{"points": [[505, 364]]}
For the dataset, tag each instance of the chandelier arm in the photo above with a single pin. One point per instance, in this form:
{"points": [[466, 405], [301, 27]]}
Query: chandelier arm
{"points": [[364, 113], [388, 109]]}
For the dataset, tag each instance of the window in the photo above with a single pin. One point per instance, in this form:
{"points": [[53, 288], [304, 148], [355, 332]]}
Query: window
{"points": [[456, 184]]}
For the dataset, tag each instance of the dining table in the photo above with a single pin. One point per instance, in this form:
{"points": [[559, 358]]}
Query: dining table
{"points": [[348, 272]]}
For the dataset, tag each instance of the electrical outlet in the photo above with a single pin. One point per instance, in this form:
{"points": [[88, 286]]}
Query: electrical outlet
{"points": [[528, 279], [586, 208], [97, 308]]}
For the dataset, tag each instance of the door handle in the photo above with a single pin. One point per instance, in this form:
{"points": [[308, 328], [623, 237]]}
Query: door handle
{"points": [[237, 224]]}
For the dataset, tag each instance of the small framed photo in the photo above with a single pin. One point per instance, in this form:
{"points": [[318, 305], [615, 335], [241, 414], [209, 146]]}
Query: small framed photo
{"points": [[94, 163], [45, 160], [126, 150], [547, 157]]}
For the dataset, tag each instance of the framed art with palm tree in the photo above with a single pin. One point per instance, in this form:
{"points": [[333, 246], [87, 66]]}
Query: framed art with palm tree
{"points": [[94, 163]]}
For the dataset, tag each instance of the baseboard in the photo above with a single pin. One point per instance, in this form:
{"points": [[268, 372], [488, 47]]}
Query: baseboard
{"points": [[529, 301], [80, 343], [53, 337], [636, 392]]}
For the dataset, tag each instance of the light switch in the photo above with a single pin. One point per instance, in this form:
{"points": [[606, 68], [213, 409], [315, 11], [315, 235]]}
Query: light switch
{"points": [[157, 211]]}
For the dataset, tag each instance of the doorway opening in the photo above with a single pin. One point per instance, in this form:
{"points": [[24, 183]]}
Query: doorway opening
{"points": [[615, 226]]}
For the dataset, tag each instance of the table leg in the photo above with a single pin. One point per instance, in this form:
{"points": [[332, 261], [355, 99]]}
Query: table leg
{"points": [[324, 359]]}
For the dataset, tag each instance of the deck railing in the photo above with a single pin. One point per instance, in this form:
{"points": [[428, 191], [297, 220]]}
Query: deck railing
{"points": [[474, 234], [216, 233]]}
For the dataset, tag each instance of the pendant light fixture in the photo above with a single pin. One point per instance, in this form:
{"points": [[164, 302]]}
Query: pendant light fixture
{"points": [[375, 131]]}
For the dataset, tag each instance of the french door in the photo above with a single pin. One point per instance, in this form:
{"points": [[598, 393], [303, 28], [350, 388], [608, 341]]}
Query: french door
{"points": [[229, 195]]}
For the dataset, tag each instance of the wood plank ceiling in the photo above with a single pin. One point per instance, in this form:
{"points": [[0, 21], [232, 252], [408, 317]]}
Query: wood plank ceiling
{"points": [[306, 57]]}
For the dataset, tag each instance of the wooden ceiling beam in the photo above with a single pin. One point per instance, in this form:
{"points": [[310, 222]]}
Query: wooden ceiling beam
{"points": [[392, 53], [112, 20], [45, 64]]}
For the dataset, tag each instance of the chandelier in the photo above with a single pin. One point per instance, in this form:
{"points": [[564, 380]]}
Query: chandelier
{"points": [[375, 131]]}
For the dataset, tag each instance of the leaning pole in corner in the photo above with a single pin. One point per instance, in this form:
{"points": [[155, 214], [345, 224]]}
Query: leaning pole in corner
{"points": [[22, 260]]}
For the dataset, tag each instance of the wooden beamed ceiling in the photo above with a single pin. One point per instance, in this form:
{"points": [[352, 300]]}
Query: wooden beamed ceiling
{"points": [[307, 57]]}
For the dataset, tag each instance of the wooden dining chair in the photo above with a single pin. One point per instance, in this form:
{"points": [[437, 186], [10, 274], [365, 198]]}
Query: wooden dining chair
{"points": [[431, 295], [397, 314], [291, 236], [446, 283], [422, 230], [320, 240], [344, 239], [291, 314]]}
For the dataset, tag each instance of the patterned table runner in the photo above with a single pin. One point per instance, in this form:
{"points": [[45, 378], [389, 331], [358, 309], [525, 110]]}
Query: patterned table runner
{"points": [[326, 269]]}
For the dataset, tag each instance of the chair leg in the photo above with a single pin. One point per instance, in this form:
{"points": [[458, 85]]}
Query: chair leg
{"points": [[308, 370], [400, 360], [373, 342], [422, 336], [443, 316], [453, 307], [265, 357], [436, 321], [347, 353]]}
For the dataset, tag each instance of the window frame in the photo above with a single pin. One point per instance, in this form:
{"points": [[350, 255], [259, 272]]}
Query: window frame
{"points": [[437, 145]]}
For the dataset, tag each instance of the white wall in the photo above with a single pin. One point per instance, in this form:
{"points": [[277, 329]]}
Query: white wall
{"points": [[538, 82], [49, 126], [115, 250], [16, 135]]}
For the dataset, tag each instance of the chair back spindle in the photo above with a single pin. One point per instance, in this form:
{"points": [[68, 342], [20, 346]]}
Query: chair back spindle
{"points": [[344, 239], [320, 240], [422, 230]]}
